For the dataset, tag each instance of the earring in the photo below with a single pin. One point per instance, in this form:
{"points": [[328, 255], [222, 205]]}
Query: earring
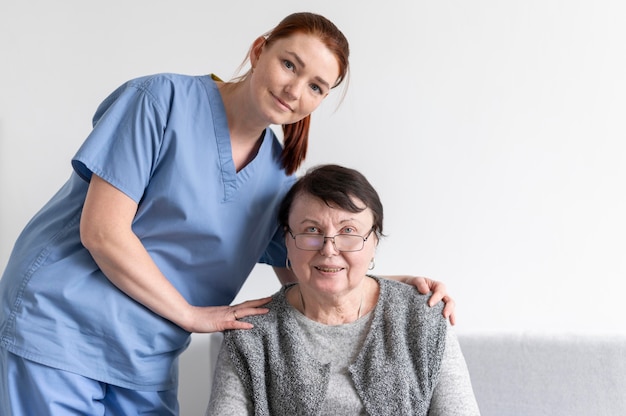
{"points": [[288, 264], [372, 264]]}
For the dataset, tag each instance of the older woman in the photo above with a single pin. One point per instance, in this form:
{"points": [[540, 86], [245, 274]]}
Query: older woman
{"points": [[341, 341]]}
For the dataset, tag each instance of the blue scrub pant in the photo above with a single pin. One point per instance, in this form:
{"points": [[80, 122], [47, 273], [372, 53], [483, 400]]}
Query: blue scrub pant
{"points": [[29, 388]]}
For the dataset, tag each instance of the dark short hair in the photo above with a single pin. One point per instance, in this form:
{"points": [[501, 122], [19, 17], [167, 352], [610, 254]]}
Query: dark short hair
{"points": [[335, 185]]}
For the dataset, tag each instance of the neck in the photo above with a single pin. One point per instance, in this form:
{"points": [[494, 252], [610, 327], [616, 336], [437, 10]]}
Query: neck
{"points": [[246, 136], [244, 124], [333, 314]]}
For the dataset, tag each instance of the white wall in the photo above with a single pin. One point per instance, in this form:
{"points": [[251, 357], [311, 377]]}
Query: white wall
{"points": [[494, 132]]}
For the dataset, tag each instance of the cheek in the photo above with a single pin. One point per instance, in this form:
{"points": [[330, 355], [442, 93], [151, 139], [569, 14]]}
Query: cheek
{"points": [[275, 76], [361, 264], [310, 103], [299, 258], [263, 76]]}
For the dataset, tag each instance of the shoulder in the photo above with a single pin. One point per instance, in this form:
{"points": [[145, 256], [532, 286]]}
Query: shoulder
{"points": [[163, 91], [165, 80], [405, 312], [165, 85], [406, 297], [277, 307], [393, 288], [263, 324], [169, 87]]}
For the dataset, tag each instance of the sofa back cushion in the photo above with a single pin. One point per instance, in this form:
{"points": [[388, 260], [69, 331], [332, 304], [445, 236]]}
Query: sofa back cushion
{"points": [[533, 374]]}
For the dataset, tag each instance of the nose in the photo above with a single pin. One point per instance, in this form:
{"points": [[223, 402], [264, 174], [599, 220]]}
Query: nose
{"points": [[294, 89], [329, 248]]}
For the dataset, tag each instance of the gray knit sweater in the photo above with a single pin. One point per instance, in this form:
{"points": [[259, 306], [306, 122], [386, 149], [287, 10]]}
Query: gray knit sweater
{"points": [[394, 372]]}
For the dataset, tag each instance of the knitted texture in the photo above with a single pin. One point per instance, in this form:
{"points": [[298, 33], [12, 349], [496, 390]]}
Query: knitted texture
{"points": [[394, 373]]}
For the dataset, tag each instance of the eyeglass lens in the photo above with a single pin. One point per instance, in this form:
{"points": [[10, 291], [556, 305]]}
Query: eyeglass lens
{"points": [[342, 242]]}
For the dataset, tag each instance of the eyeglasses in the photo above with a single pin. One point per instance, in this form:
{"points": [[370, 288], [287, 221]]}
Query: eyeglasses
{"points": [[341, 242]]}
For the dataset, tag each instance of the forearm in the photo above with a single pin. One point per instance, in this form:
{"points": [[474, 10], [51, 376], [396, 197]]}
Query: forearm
{"points": [[400, 278], [106, 231], [126, 263]]}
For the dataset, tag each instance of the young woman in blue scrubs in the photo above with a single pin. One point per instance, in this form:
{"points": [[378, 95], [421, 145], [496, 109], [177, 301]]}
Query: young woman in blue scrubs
{"points": [[171, 203]]}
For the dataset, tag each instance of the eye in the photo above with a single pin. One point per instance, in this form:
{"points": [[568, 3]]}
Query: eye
{"points": [[348, 230], [317, 89], [289, 65], [311, 230]]}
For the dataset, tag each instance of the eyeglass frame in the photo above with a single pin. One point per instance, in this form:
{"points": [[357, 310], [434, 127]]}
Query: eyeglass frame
{"points": [[331, 239]]}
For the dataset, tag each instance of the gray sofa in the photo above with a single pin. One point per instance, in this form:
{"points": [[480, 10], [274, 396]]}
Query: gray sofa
{"points": [[513, 374], [540, 374]]}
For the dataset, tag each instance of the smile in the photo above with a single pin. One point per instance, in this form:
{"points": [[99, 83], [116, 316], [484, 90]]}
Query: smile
{"points": [[329, 270], [282, 104]]}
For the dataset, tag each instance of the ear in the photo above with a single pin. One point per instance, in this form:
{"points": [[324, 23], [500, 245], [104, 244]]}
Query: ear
{"points": [[256, 49]]}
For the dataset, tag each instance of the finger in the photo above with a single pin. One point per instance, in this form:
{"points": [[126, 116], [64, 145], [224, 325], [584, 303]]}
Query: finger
{"points": [[450, 316], [452, 319], [240, 312], [236, 325], [439, 293], [255, 311], [245, 309], [448, 309], [423, 284]]}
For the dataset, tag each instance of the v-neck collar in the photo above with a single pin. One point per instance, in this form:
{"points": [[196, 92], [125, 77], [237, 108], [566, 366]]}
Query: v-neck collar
{"points": [[231, 179]]}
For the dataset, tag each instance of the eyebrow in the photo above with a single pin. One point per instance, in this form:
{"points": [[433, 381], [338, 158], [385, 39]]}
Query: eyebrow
{"points": [[310, 221], [303, 65]]}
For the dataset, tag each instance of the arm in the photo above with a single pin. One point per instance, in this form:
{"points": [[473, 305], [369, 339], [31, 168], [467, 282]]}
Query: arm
{"points": [[228, 395], [453, 394], [425, 285], [106, 231]]}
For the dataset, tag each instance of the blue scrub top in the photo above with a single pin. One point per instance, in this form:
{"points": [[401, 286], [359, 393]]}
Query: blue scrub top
{"points": [[163, 140]]}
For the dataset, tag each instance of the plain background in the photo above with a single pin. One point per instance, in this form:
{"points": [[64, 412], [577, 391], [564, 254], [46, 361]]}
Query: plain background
{"points": [[494, 132]]}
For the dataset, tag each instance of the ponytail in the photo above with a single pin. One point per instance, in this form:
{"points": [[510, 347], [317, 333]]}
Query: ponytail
{"points": [[295, 144]]}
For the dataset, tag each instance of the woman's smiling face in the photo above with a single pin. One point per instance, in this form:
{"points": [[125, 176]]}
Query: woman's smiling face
{"points": [[329, 271], [291, 76]]}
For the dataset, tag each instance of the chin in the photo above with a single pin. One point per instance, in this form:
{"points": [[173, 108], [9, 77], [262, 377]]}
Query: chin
{"points": [[279, 121]]}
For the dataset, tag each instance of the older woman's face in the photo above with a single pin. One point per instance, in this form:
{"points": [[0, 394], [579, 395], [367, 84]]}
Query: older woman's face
{"points": [[329, 270]]}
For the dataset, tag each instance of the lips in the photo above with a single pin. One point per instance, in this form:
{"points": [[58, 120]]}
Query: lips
{"points": [[282, 104], [329, 269]]}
